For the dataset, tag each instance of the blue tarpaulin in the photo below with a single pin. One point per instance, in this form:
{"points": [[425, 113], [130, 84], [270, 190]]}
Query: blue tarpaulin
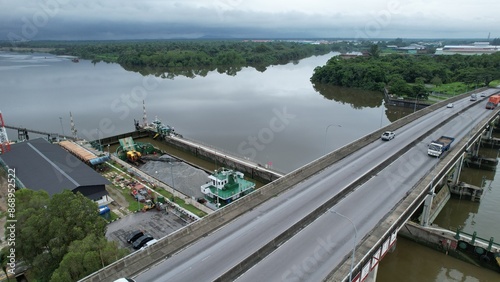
{"points": [[99, 160]]}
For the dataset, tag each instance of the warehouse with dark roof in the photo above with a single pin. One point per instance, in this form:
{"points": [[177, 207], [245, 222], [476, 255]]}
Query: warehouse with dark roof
{"points": [[40, 165]]}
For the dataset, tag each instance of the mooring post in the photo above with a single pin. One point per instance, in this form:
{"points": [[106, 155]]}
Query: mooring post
{"points": [[457, 235], [473, 238], [490, 243]]}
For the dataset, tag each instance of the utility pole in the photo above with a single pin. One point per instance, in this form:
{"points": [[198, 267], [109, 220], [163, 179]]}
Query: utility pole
{"points": [[62, 128], [73, 129]]}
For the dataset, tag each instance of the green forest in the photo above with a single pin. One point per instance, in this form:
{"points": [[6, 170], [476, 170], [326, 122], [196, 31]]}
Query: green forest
{"points": [[408, 75], [188, 57], [61, 238]]}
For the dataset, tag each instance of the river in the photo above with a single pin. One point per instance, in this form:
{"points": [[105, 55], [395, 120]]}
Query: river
{"points": [[275, 117]]}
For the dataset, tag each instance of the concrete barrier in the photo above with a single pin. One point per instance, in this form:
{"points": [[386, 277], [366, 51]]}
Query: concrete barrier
{"points": [[254, 171]]}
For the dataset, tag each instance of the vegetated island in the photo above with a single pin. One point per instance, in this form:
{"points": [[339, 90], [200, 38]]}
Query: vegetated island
{"points": [[188, 57], [412, 76]]}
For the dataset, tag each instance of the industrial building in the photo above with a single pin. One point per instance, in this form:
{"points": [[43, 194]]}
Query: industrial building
{"points": [[478, 48], [40, 165]]}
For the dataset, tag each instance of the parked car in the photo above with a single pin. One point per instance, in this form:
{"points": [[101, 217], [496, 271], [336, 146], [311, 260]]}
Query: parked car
{"points": [[149, 243], [450, 105], [141, 241], [388, 135], [134, 235]]}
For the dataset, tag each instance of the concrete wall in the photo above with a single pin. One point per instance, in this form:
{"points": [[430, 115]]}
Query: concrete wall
{"points": [[138, 261], [254, 171], [114, 139]]}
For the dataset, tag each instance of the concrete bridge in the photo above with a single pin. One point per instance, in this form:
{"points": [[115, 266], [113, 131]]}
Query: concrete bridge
{"points": [[333, 219]]}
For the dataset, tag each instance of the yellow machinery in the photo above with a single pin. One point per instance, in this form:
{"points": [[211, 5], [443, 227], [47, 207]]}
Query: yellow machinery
{"points": [[133, 156], [148, 205]]}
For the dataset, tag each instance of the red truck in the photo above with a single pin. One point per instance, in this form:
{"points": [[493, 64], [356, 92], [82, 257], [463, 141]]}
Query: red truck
{"points": [[493, 102]]}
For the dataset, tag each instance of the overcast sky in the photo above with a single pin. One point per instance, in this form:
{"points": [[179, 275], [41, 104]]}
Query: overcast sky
{"points": [[159, 19]]}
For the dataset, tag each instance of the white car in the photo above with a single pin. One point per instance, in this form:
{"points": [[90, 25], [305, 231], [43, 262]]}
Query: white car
{"points": [[388, 135], [124, 280], [148, 244], [450, 105]]}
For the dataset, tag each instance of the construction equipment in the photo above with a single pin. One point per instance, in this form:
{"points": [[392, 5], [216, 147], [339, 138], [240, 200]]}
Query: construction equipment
{"points": [[132, 152], [148, 205], [133, 156]]}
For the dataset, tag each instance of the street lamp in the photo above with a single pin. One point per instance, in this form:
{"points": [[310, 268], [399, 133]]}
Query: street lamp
{"points": [[62, 128], [98, 139], [217, 189], [172, 174], [354, 241], [415, 106], [326, 131]]}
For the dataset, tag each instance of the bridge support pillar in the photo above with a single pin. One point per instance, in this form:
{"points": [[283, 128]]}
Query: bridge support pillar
{"points": [[489, 133], [424, 219], [458, 170], [372, 277], [475, 149]]}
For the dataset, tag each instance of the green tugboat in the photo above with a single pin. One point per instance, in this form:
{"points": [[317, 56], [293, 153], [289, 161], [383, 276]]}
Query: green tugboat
{"points": [[225, 186]]}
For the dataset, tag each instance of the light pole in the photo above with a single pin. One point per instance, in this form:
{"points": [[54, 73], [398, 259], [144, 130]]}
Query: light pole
{"points": [[415, 106], [99, 139], [471, 130], [172, 174], [354, 241], [326, 131], [62, 128], [217, 189]]}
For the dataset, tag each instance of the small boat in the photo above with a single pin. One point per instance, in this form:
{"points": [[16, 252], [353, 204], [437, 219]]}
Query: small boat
{"points": [[75, 60]]}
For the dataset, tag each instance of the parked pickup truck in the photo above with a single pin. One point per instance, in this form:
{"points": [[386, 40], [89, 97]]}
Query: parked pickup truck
{"points": [[439, 146]]}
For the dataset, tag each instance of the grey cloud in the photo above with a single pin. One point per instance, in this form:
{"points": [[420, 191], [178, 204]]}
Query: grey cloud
{"points": [[151, 19]]}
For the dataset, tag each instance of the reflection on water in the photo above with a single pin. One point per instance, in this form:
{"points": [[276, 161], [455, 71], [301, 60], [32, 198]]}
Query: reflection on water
{"points": [[394, 113], [357, 98], [171, 73]]}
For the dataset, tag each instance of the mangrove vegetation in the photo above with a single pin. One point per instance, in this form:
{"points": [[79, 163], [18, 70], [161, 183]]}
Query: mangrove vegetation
{"points": [[408, 75], [189, 57]]}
